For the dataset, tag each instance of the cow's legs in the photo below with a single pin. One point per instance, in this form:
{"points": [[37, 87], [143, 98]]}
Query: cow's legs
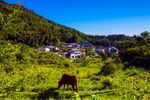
{"points": [[73, 87], [76, 88], [64, 86], [67, 86]]}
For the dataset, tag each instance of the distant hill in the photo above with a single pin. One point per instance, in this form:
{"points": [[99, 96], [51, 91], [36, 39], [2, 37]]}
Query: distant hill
{"points": [[19, 24]]}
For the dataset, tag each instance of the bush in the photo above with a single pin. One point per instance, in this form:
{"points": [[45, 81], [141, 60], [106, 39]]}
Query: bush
{"points": [[104, 56], [108, 68], [107, 84]]}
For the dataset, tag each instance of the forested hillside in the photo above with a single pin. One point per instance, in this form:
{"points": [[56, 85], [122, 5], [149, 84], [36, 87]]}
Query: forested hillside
{"points": [[19, 24]]}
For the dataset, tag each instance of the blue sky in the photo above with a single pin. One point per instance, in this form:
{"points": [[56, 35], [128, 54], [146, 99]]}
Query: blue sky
{"points": [[97, 17]]}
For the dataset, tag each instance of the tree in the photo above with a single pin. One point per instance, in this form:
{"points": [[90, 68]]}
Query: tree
{"points": [[145, 34], [89, 52], [1, 20]]}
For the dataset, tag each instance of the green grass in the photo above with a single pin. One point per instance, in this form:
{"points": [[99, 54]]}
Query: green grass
{"points": [[124, 85], [26, 75]]}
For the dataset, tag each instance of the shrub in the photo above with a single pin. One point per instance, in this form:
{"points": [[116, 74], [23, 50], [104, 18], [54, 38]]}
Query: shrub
{"points": [[107, 84], [108, 68], [104, 56]]}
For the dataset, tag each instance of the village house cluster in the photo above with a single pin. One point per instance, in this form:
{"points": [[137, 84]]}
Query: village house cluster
{"points": [[78, 51]]}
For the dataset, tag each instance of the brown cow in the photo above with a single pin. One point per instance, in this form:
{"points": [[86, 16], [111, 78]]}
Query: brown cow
{"points": [[69, 80]]}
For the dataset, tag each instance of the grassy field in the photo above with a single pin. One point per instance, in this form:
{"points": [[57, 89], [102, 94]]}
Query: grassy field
{"points": [[39, 82], [28, 74]]}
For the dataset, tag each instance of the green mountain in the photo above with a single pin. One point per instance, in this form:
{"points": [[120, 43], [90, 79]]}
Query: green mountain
{"points": [[19, 24]]}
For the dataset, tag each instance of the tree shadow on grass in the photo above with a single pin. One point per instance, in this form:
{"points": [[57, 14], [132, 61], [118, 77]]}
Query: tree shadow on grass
{"points": [[49, 93]]}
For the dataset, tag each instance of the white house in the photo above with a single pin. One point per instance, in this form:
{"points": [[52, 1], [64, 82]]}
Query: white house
{"points": [[46, 49], [74, 54], [51, 48], [111, 50]]}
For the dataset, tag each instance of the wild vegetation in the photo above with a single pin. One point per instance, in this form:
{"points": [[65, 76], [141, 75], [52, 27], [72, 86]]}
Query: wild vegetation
{"points": [[30, 74], [27, 73]]}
